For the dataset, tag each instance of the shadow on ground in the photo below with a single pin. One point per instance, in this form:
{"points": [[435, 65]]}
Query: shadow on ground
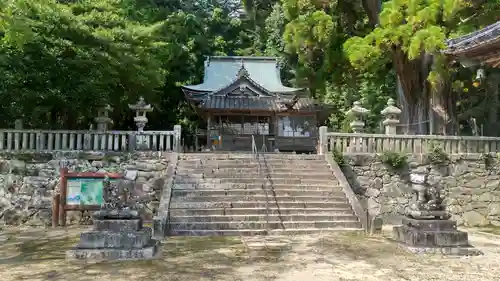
{"points": [[40, 256]]}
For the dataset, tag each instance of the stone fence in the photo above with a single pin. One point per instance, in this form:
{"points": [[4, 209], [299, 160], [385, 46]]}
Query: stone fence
{"points": [[414, 144], [102, 139], [359, 142], [66, 140]]}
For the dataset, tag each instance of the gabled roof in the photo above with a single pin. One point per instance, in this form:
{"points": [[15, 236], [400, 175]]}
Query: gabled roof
{"points": [[257, 103], [474, 39], [220, 72], [243, 76], [482, 45]]}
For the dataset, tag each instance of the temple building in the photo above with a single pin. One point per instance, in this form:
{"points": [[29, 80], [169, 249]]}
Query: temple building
{"points": [[479, 47], [241, 97], [481, 50]]}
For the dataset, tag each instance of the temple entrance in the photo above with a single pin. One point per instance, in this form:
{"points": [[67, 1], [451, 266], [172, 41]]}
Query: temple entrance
{"points": [[235, 132]]}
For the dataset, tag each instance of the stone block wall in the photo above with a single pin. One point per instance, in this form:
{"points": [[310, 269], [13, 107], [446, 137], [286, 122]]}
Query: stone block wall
{"points": [[29, 180], [470, 185]]}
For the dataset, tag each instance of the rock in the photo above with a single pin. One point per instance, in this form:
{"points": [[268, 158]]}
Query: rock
{"points": [[97, 164]]}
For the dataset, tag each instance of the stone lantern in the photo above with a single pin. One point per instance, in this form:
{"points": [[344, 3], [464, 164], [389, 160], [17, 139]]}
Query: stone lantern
{"points": [[391, 114], [102, 118], [141, 108], [357, 113]]}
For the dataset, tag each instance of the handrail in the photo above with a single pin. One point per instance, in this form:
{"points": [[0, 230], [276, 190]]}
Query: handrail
{"points": [[254, 148]]}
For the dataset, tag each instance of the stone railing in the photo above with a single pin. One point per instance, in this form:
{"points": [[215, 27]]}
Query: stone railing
{"points": [[416, 144], [359, 142], [66, 140]]}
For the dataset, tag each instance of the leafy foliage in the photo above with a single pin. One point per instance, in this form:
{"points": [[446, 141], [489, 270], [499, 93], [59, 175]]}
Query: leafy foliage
{"points": [[394, 160], [62, 59], [437, 155]]}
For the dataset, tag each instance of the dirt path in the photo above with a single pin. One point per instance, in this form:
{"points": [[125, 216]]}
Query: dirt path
{"points": [[39, 255]]}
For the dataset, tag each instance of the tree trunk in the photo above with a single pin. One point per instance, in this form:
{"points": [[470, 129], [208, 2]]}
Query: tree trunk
{"points": [[413, 91]]}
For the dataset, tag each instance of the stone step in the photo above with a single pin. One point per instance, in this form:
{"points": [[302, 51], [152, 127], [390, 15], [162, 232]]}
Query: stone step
{"points": [[231, 170], [262, 225], [258, 204], [258, 191], [267, 156], [264, 173], [243, 163], [258, 198], [261, 218], [272, 210], [252, 232], [332, 185], [271, 181], [252, 161]]}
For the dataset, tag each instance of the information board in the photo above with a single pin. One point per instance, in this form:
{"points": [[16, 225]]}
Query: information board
{"points": [[85, 191], [80, 192]]}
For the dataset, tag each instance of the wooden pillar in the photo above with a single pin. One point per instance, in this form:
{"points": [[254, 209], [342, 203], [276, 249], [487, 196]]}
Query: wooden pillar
{"points": [[276, 124], [220, 132], [209, 133]]}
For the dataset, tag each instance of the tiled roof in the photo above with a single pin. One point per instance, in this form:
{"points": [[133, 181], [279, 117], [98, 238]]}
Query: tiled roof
{"points": [[480, 37], [220, 72], [255, 103]]}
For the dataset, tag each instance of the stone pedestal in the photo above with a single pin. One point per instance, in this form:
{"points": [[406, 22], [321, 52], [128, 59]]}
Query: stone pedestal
{"points": [[433, 236], [116, 237]]}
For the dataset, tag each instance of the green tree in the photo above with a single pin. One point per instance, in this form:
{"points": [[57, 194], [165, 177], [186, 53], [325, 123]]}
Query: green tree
{"points": [[62, 61], [411, 34]]}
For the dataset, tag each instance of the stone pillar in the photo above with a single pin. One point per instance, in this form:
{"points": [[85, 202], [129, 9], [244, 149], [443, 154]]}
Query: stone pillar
{"points": [[357, 113], [323, 140], [177, 138], [391, 114], [103, 119]]}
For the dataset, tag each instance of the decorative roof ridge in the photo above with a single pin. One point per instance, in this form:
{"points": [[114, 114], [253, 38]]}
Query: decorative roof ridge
{"points": [[234, 58], [461, 42], [245, 75], [242, 97]]}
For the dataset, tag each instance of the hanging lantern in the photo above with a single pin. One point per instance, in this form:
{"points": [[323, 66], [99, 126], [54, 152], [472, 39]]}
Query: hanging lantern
{"points": [[479, 77]]}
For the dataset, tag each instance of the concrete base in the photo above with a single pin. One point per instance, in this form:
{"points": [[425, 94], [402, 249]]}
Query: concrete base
{"points": [[449, 251], [147, 253], [433, 236]]}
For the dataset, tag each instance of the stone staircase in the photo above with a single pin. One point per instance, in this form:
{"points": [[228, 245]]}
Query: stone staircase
{"points": [[236, 194]]}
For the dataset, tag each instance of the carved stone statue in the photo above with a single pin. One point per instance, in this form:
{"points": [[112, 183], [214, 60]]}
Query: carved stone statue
{"points": [[118, 201], [427, 200]]}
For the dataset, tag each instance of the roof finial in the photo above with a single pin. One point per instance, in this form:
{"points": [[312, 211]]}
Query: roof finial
{"points": [[242, 72]]}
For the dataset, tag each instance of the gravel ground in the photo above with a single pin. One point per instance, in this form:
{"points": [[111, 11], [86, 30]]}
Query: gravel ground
{"points": [[31, 254]]}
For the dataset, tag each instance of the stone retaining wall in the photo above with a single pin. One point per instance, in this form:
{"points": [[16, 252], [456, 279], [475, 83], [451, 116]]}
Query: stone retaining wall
{"points": [[470, 185], [29, 180]]}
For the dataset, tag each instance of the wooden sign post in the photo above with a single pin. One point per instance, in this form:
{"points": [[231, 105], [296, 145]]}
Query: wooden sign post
{"points": [[80, 192]]}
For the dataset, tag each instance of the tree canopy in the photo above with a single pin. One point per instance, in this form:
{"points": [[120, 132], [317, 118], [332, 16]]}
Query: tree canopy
{"points": [[61, 60]]}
